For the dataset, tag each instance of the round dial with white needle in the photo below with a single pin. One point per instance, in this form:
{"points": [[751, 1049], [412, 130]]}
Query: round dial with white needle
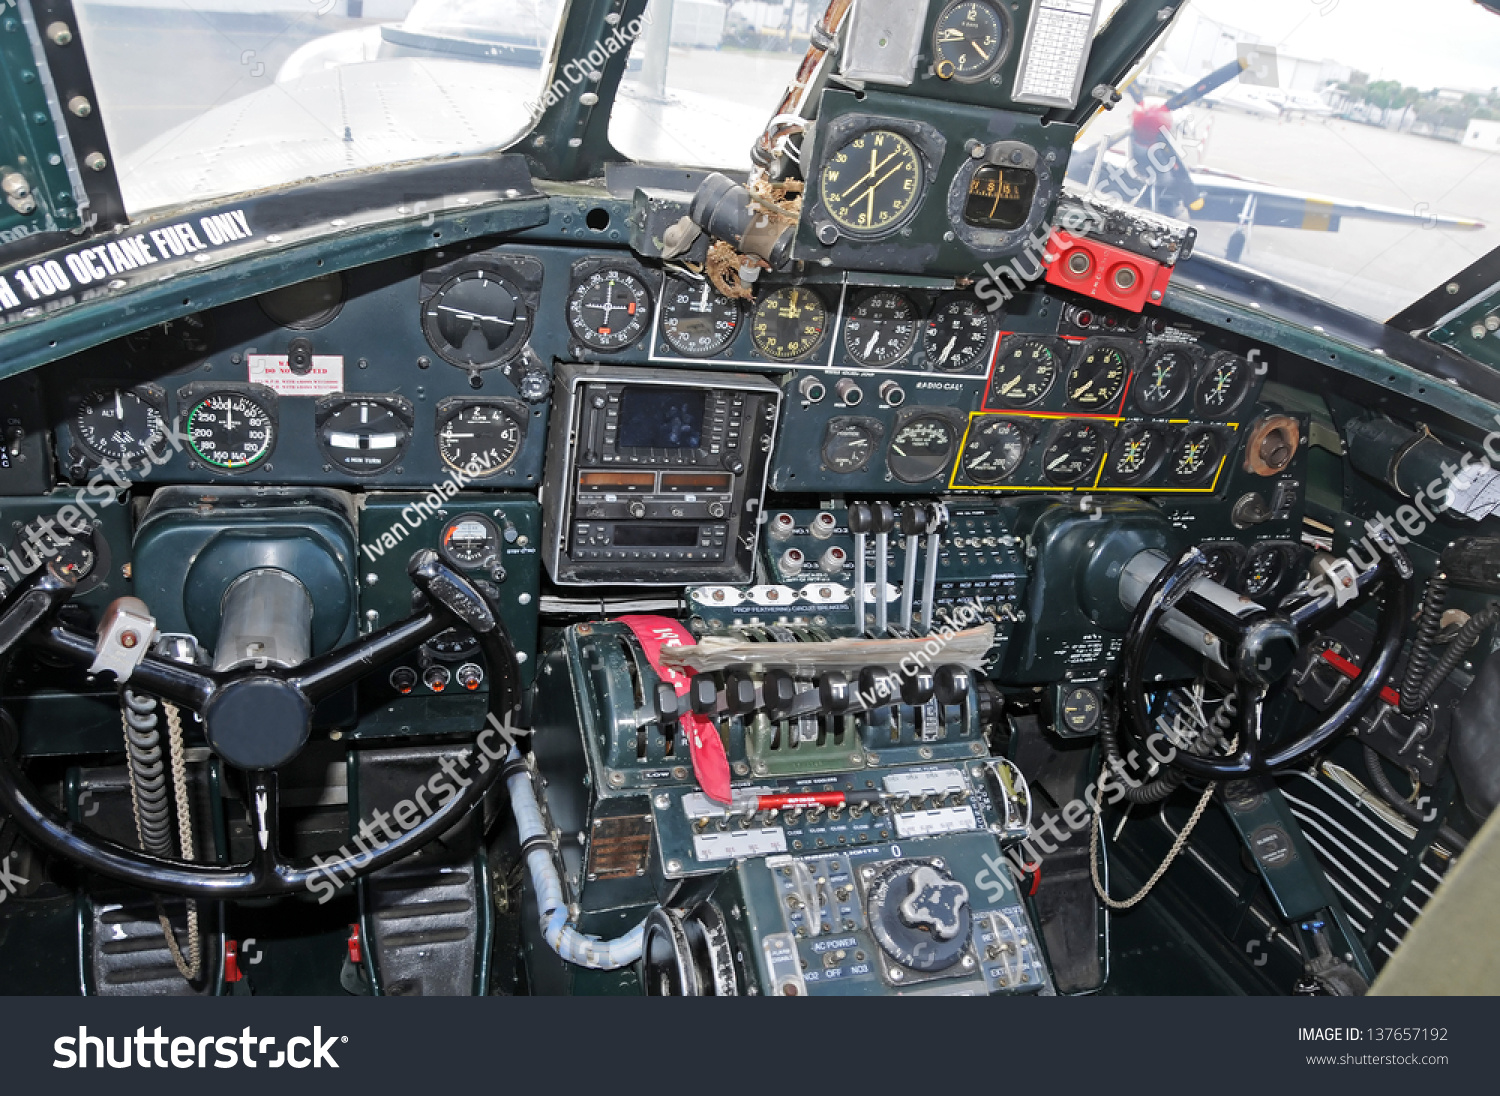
{"points": [[922, 448], [1098, 378], [118, 424], [871, 184], [697, 321], [480, 437], [969, 41], [231, 431], [995, 449], [959, 333], [1024, 373], [476, 320], [1163, 383], [1073, 454], [849, 444], [789, 323], [881, 329]]}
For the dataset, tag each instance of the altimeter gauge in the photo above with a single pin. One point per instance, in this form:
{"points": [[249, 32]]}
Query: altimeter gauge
{"points": [[119, 424]]}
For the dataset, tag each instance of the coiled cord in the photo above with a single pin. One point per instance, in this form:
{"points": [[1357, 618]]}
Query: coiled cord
{"points": [[1429, 625], [1139, 795], [1457, 651], [148, 773], [1404, 807]]}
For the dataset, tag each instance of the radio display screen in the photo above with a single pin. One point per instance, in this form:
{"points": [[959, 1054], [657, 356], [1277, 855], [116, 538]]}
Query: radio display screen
{"points": [[655, 536], [661, 418]]}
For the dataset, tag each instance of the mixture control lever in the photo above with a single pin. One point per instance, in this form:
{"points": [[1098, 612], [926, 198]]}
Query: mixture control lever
{"points": [[913, 525], [883, 521], [861, 523], [937, 525]]}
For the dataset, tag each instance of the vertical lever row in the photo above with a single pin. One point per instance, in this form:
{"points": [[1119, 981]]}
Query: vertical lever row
{"points": [[913, 525], [883, 520], [937, 524], [861, 521]]}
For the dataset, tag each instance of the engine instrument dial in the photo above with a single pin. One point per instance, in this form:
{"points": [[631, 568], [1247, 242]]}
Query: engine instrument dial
{"points": [[1163, 383], [609, 309], [118, 424], [482, 435], [922, 448], [1223, 386], [1098, 378], [1265, 572], [995, 449], [1196, 457], [872, 183], [477, 319], [231, 431], [1073, 454], [959, 333], [849, 445], [1137, 455], [881, 329], [1024, 373], [696, 320], [789, 323], [366, 434]]}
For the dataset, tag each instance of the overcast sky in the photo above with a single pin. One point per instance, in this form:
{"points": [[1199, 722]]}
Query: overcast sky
{"points": [[1427, 43]]}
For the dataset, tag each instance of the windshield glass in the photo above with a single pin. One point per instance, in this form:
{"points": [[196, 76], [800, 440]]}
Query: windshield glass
{"points": [[215, 97], [1351, 149], [705, 77]]}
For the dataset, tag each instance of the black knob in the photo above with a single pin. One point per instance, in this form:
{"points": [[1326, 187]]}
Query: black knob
{"points": [[833, 692], [703, 694], [883, 518], [913, 519], [878, 685], [952, 684], [739, 693], [668, 703], [779, 689], [861, 520], [733, 464], [917, 688]]}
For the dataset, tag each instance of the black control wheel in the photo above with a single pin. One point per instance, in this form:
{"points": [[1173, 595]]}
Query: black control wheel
{"points": [[1260, 648], [245, 709]]}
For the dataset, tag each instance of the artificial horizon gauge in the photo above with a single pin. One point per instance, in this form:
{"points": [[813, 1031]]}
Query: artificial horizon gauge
{"points": [[1137, 454], [1196, 457], [922, 448], [789, 323], [480, 437], [1025, 371], [477, 319], [872, 183], [881, 329], [1164, 381], [364, 434], [230, 431], [995, 449], [1223, 386], [969, 40], [119, 424], [1073, 453], [696, 319], [959, 333], [849, 445], [1098, 378], [609, 309], [471, 542]]}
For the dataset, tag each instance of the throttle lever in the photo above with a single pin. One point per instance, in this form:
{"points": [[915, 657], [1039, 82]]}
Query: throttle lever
{"points": [[29, 602], [446, 587]]}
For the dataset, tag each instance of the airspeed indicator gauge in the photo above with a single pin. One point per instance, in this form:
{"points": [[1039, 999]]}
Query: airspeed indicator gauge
{"points": [[231, 431]]}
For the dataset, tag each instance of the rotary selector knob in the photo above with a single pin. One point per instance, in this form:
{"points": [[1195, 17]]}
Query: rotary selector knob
{"points": [[920, 915]]}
